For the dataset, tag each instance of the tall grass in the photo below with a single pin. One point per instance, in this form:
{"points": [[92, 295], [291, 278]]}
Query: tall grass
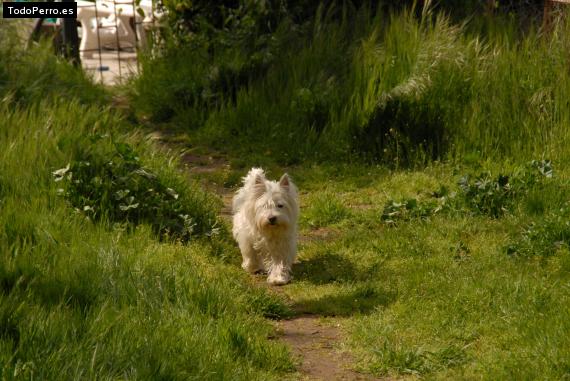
{"points": [[26, 76], [396, 88], [82, 299]]}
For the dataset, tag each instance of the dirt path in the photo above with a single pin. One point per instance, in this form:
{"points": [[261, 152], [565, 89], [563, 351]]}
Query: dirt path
{"points": [[313, 342], [314, 346]]}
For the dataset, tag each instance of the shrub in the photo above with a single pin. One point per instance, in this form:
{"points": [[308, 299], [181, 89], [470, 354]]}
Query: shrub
{"points": [[494, 196], [109, 182], [413, 208]]}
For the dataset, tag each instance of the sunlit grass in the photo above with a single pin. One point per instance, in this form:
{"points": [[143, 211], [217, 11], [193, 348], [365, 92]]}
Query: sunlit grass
{"points": [[87, 298], [438, 296]]}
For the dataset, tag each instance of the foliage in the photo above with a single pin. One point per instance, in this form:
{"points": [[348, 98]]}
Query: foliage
{"points": [[27, 75], [80, 299], [546, 237], [410, 208], [112, 184], [494, 196], [485, 194], [435, 297], [86, 300], [357, 84], [221, 20]]}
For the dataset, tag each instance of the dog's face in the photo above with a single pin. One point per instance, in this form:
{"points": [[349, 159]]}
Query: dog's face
{"points": [[274, 206]]}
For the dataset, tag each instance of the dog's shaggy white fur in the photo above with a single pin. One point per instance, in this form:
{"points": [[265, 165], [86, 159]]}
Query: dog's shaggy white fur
{"points": [[265, 225]]}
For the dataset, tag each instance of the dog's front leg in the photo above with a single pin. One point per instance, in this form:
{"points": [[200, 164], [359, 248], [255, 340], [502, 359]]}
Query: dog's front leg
{"points": [[252, 261], [282, 258]]}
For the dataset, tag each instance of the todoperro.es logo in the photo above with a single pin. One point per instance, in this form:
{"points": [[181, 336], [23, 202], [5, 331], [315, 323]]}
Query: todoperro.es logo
{"points": [[39, 10]]}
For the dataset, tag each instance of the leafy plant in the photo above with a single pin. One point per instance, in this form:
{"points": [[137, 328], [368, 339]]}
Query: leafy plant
{"points": [[113, 184], [487, 195], [413, 208], [494, 196], [545, 237]]}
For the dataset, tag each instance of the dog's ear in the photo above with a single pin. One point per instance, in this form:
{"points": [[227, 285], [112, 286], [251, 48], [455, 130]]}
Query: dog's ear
{"points": [[259, 186], [284, 181], [259, 180]]}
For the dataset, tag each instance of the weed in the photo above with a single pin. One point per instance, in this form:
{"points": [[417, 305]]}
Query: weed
{"points": [[441, 200], [487, 195], [545, 237], [495, 196], [412, 208], [114, 185]]}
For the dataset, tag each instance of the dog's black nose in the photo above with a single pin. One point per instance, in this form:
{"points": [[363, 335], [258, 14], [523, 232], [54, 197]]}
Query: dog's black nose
{"points": [[272, 220]]}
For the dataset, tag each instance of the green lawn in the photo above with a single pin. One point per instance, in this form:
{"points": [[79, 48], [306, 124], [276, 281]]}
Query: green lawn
{"points": [[450, 294]]}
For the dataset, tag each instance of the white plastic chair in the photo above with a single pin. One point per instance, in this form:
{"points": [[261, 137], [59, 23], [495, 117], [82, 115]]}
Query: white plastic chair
{"points": [[106, 23]]}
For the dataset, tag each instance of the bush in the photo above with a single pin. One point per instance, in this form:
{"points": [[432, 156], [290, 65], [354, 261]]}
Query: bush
{"points": [[109, 182], [495, 196]]}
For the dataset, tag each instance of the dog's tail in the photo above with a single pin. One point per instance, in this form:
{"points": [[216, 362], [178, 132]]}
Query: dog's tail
{"points": [[248, 185]]}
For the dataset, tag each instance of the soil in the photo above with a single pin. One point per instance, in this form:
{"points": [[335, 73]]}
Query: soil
{"points": [[313, 344]]}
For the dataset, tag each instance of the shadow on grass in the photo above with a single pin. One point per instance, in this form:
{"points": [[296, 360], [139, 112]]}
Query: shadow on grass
{"points": [[362, 299], [329, 267], [326, 268], [78, 292], [351, 288]]}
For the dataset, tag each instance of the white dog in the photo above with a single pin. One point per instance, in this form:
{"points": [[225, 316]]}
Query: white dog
{"points": [[265, 225]]}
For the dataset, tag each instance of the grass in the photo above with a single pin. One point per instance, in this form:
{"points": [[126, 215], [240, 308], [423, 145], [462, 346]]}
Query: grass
{"points": [[84, 296], [325, 209], [438, 297], [425, 234], [81, 299], [26, 78], [351, 86], [429, 278], [460, 293]]}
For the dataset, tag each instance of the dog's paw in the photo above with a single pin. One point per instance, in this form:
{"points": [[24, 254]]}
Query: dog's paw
{"points": [[278, 278]]}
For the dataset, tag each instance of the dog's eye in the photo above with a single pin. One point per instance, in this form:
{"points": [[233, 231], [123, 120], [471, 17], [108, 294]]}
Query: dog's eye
{"points": [[279, 205]]}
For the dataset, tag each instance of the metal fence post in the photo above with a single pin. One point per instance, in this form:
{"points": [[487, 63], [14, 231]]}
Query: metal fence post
{"points": [[71, 39]]}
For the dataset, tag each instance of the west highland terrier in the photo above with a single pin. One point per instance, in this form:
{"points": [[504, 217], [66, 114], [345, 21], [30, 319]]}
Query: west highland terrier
{"points": [[265, 225]]}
